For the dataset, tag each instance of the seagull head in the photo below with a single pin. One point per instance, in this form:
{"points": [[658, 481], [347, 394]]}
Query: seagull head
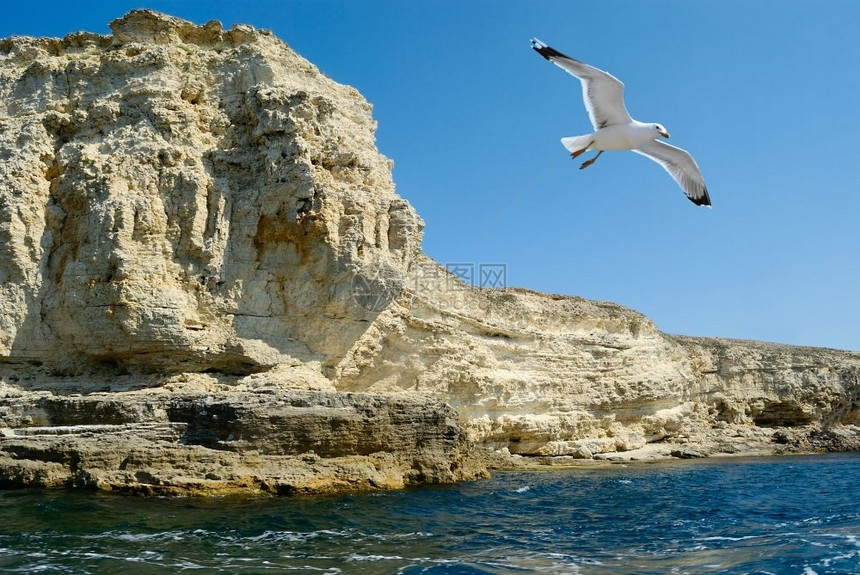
{"points": [[661, 130]]}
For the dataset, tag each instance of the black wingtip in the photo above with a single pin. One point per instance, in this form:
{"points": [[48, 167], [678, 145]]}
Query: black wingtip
{"points": [[704, 201], [546, 51]]}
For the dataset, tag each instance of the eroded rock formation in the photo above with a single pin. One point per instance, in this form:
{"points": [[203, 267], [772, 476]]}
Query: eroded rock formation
{"points": [[228, 441], [182, 198], [208, 283], [540, 374]]}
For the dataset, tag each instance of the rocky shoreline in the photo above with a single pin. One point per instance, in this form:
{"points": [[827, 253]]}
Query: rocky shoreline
{"points": [[197, 443], [204, 435], [208, 285]]}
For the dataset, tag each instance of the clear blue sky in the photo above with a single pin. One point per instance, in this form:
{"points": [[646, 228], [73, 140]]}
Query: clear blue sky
{"points": [[765, 95]]}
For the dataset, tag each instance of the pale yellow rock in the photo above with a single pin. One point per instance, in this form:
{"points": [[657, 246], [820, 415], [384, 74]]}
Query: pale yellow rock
{"points": [[542, 374], [180, 198], [192, 211]]}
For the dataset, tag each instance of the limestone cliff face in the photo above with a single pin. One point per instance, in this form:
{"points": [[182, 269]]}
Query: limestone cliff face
{"points": [[542, 374], [179, 198], [203, 263]]}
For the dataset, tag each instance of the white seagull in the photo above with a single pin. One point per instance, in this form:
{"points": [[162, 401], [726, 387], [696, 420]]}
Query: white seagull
{"points": [[616, 130]]}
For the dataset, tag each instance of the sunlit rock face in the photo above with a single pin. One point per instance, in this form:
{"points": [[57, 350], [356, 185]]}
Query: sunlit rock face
{"points": [[548, 375], [179, 197], [202, 248]]}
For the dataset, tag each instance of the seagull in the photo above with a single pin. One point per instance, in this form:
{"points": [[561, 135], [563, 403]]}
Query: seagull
{"points": [[616, 130]]}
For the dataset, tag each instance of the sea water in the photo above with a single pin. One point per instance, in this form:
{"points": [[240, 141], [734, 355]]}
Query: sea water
{"points": [[785, 515]]}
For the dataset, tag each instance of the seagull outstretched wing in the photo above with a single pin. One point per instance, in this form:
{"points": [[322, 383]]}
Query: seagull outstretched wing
{"points": [[680, 166], [603, 93]]}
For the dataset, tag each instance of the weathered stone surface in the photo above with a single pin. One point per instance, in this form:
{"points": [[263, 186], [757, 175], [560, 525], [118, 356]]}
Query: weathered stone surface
{"points": [[541, 374], [276, 442], [180, 198], [208, 284]]}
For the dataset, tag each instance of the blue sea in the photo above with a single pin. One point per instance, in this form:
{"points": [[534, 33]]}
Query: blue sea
{"points": [[776, 515]]}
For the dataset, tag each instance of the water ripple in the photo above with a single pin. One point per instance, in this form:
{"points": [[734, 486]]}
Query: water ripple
{"points": [[795, 515]]}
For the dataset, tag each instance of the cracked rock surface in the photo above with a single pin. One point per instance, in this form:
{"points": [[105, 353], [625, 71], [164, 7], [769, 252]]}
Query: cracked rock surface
{"points": [[208, 284]]}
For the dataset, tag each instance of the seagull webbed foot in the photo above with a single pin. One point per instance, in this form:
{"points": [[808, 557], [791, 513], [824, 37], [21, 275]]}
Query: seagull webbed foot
{"points": [[578, 153], [591, 161]]}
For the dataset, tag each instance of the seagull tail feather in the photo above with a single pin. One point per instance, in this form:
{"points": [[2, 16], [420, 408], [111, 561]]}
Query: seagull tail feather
{"points": [[577, 143]]}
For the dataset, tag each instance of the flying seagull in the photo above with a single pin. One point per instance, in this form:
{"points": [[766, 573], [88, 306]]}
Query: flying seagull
{"points": [[616, 130]]}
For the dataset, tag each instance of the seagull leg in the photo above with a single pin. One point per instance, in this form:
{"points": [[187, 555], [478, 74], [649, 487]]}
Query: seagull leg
{"points": [[578, 153], [591, 161]]}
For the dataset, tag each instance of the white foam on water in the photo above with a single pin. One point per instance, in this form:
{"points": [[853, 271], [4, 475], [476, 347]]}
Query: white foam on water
{"points": [[368, 558], [295, 536], [727, 538]]}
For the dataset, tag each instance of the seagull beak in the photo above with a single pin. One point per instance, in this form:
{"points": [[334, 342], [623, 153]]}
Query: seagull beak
{"points": [[664, 133]]}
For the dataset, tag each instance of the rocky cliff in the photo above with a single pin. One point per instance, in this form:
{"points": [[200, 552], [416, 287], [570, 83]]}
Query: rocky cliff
{"points": [[205, 267], [547, 375], [184, 198]]}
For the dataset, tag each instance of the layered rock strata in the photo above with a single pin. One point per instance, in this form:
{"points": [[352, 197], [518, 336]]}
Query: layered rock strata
{"points": [[540, 374], [209, 284], [278, 442]]}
